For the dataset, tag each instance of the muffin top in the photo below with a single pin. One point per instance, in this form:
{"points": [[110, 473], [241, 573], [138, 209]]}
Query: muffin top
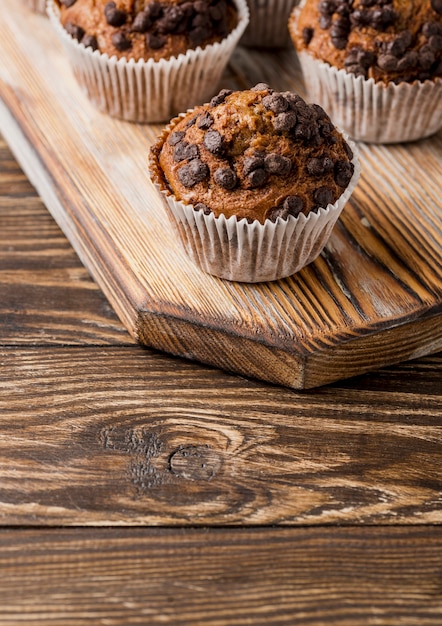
{"points": [[145, 29], [387, 40], [257, 154]]}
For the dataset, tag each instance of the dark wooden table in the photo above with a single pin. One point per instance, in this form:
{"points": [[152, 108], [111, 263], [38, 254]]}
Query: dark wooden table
{"points": [[137, 488]]}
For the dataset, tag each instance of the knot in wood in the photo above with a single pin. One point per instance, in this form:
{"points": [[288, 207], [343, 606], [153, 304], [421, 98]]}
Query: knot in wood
{"points": [[195, 463]]}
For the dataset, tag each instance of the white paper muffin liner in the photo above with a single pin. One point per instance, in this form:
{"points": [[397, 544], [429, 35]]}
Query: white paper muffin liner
{"points": [[149, 91], [268, 25], [37, 6], [370, 111], [250, 252]]}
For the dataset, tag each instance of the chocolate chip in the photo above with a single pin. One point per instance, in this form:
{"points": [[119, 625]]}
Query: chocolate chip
{"points": [[387, 62], [307, 35], [319, 112], [199, 34], [194, 172], [303, 131], [225, 177], [275, 102], [382, 18], [75, 31], [327, 7], [399, 44], [409, 61], [176, 137], [437, 70], [360, 17], [155, 9], [435, 43], [325, 21], [217, 11], [192, 121], [436, 5], [343, 172], [201, 19], [155, 41], [348, 151], [426, 57], [214, 142], [294, 100], [431, 28], [277, 164], [252, 163], [184, 150], [172, 16], [285, 121], [205, 121], [120, 41], [343, 9], [220, 97], [359, 57], [256, 178], [114, 16], [318, 166], [68, 3], [323, 196], [340, 28], [188, 9], [293, 205], [339, 43], [142, 21], [200, 206], [89, 41], [261, 87], [201, 6]]}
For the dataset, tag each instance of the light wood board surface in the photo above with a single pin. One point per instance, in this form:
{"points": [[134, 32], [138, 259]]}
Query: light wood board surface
{"points": [[372, 298]]}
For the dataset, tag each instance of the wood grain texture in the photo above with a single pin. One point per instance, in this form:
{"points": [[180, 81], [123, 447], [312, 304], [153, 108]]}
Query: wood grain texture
{"points": [[47, 296], [125, 436], [372, 298], [370, 577]]}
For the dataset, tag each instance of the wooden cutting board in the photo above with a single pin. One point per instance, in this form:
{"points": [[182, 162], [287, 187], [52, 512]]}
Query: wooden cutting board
{"points": [[373, 297]]}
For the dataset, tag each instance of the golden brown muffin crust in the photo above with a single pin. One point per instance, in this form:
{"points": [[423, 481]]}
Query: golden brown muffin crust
{"points": [[147, 29], [387, 40], [256, 154]]}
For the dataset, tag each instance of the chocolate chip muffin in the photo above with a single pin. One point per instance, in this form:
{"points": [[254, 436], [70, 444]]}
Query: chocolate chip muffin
{"points": [[394, 40], [256, 154], [146, 60], [353, 54], [260, 159], [147, 29]]}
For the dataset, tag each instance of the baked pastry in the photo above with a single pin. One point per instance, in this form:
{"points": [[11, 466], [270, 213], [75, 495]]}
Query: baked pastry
{"points": [[149, 29], [265, 164], [146, 60], [268, 26], [375, 65]]}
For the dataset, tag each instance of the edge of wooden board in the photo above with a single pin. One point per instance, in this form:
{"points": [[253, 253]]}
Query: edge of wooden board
{"points": [[198, 341], [277, 357]]}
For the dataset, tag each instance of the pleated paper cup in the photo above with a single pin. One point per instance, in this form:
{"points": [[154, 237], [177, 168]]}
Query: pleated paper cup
{"points": [[370, 111], [268, 25], [149, 91], [237, 250], [37, 6]]}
